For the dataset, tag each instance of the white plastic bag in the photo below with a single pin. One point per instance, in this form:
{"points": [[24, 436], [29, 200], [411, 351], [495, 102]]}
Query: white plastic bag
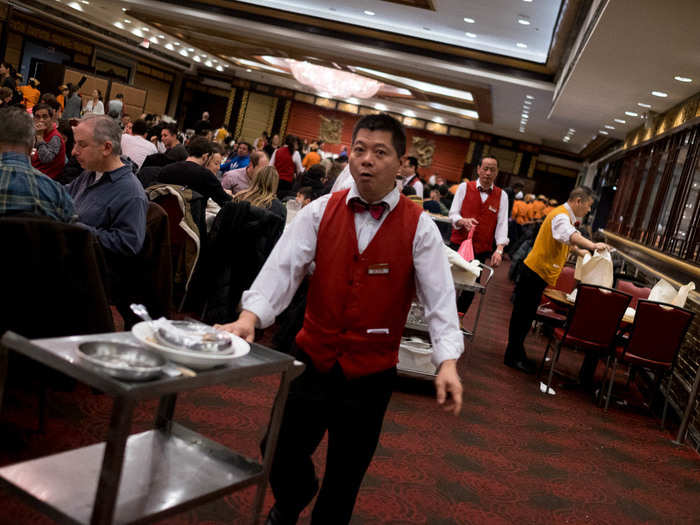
{"points": [[462, 271], [664, 292], [596, 269]]}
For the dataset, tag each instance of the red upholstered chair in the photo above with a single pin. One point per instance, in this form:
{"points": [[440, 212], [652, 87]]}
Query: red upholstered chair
{"points": [[656, 336], [548, 311], [591, 325], [637, 292]]}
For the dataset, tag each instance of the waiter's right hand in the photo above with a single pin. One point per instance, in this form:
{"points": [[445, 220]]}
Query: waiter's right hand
{"points": [[449, 387], [467, 224], [244, 327]]}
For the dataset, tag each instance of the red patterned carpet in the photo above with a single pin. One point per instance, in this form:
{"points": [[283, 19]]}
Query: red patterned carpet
{"points": [[512, 456]]}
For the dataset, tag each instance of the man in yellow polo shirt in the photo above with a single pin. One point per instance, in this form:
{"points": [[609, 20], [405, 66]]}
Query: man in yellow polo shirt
{"points": [[542, 267]]}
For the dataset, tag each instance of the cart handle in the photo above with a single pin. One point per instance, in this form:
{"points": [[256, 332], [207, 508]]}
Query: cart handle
{"points": [[490, 274]]}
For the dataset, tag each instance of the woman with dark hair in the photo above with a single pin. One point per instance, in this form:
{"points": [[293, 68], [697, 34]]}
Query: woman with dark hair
{"points": [[287, 162], [8, 79], [95, 105], [73, 103]]}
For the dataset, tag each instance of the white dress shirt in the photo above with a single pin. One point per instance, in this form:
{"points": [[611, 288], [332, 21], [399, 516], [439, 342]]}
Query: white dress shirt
{"points": [[562, 226], [137, 148], [343, 180], [501, 233], [294, 253], [418, 185]]}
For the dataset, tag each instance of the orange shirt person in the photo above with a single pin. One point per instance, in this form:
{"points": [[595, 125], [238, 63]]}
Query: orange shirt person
{"points": [[312, 157], [30, 93], [519, 213], [537, 210]]}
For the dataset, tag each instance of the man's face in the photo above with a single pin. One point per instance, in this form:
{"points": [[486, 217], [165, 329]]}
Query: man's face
{"points": [[303, 201], [90, 155], [435, 195], [128, 128], [65, 92], [42, 120], [373, 163], [243, 150], [581, 207], [168, 139], [487, 171], [214, 163], [439, 181], [407, 169]]}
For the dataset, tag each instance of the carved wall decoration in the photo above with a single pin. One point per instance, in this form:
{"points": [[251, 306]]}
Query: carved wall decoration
{"points": [[331, 130], [423, 150]]}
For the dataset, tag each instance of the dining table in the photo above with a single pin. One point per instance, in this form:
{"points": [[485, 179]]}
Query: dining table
{"points": [[562, 298]]}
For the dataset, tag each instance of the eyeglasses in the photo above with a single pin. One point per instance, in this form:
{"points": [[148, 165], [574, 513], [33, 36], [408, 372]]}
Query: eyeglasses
{"points": [[42, 117]]}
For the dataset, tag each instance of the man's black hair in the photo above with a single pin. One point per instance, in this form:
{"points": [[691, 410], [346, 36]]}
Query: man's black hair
{"points": [[198, 147], [246, 144], [307, 192], [171, 127], [44, 105], [384, 122], [413, 162], [139, 127], [481, 160]]}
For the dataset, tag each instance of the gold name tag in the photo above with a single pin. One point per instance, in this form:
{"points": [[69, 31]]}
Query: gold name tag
{"points": [[378, 269]]}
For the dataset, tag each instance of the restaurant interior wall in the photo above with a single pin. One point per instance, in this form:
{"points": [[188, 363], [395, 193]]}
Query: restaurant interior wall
{"points": [[195, 98]]}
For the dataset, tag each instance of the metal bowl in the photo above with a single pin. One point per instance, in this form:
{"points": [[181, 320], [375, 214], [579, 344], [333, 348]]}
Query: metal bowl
{"points": [[122, 361]]}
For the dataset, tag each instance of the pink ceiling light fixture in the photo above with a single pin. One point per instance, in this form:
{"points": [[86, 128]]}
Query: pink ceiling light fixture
{"points": [[334, 82]]}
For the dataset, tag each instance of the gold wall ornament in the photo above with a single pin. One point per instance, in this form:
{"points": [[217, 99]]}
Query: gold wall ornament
{"points": [[331, 130], [423, 150]]}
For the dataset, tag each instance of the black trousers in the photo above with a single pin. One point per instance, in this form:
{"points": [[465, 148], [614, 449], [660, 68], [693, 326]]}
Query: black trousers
{"points": [[528, 293], [465, 298], [352, 411]]}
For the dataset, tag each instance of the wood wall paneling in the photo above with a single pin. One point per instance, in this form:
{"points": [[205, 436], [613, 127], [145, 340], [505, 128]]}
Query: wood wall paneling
{"points": [[259, 116], [13, 52], [157, 92]]}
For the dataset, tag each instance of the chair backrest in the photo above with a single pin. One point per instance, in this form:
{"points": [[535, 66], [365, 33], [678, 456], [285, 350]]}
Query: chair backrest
{"points": [[171, 205], [658, 331], [566, 282], [637, 292], [597, 314]]}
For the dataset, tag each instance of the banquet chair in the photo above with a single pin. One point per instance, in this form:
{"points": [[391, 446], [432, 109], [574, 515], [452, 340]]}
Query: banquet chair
{"points": [[637, 292], [656, 336], [550, 313], [592, 324]]}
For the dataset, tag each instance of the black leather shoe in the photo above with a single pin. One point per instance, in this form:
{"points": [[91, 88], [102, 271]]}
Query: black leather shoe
{"points": [[278, 517], [526, 365]]}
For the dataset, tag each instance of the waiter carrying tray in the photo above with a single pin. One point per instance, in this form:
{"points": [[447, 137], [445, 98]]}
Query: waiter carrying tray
{"points": [[483, 207], [373, 250]]}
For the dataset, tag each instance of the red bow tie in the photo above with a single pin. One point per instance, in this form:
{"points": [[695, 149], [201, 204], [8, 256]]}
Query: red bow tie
{"points": [[484, 190], [577, 224], [357, 205]]}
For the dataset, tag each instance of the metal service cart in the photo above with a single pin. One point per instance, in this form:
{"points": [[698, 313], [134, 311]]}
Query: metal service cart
{"points": [[416, 325], [147, 476]]}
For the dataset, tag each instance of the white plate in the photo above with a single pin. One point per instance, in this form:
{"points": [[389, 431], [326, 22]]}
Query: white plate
{"points": [[197, 360]]}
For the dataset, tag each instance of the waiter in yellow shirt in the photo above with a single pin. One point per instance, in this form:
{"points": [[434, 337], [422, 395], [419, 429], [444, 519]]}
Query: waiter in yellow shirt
{"points": [[542, 268]]}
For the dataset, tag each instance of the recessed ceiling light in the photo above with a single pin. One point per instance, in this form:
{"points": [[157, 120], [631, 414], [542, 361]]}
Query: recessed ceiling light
{"points": [[525, 115], [380, 107], [603, 132], [183, 52], [620, 121], [631, 114], [471, 35], [249, 70], [119, 25], [161, 36], [352, 100], [169, 46], [177, 43], [530, 97], [137, 32], [528, 1], [370, 13], [524, 20], [154, 40], [123, 8], [683, 79], [439, 120], [76, 6], [572, 130], [409, 113], [226, 65], [190, 49], [196, 58], [643, 105], [659, 94], [219, 68], [608, 126], [469, 20], [145, 29], [127, 21], [209, 63], [521, 45]]}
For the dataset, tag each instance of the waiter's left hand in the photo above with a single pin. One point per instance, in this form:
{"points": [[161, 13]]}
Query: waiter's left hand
{"points": [[449, 387], [496, 259]]}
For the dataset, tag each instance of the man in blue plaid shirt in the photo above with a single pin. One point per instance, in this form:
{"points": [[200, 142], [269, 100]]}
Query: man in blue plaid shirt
{"points": [[23, 188]]}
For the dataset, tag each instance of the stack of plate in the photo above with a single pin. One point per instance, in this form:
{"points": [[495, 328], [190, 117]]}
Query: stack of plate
{"points": [[191, 344]]}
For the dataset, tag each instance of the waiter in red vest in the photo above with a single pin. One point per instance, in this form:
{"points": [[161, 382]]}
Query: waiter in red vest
{"points": [[373, 251], [483, 207]]}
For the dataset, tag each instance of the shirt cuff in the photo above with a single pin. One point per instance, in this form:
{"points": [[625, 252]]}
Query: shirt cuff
{"points": [[447, 348], [257, 303]]}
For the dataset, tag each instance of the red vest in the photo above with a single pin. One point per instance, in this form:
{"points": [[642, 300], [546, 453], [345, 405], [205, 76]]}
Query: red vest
{"points": [[351, 293], [413, 180], [54, 168], [284, 164], [485, 212]]}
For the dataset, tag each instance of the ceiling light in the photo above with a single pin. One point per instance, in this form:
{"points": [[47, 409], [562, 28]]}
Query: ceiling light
{"points": [[527, 1], [471, 35], [409, 113], [659, 94], [127, 21], [608, 126], [76, 6], [123, 8], [525, 115], [219, 68], [169, 46], [226, 65], [370, 13], [566, 139], [572, 130], [196, 58], [521, 45], [183, 52], [209, 63], [683, 79], [137, 32], [380, 107], [422, 86], [177, 43], [145, 29], [530, 97], [643, 105], [439, 120], [119, 25], [631, 114], [352, 100], [524, 20], [249, 70], [469, 20], [603, 132], [338, 83], [191, 50], [153, 40], [620, 121]]}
